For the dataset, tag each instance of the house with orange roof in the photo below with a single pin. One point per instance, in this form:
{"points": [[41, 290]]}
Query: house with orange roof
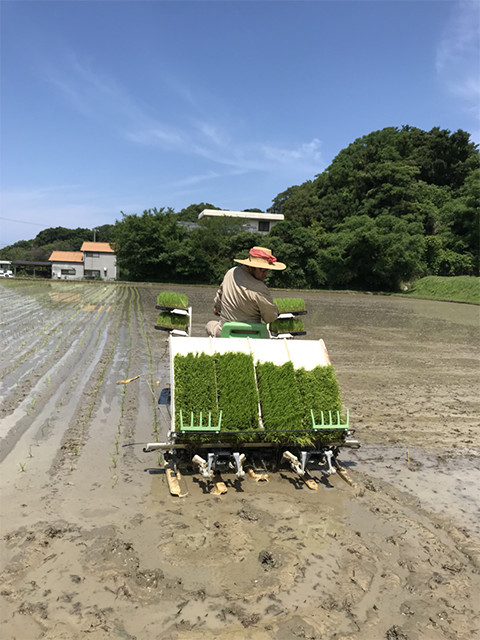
{"points": [[94, 260], [67, 265], [99, 260]]}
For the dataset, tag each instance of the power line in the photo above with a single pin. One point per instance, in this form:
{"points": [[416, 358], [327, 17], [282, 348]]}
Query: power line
{"points": [[37, 224]]}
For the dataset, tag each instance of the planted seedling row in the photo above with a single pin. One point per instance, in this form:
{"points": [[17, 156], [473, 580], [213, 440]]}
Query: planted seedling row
{"points": [[150, 360]]}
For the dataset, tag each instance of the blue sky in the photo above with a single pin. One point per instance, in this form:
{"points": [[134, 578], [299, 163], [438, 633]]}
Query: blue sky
{"points": [[128, 105]]}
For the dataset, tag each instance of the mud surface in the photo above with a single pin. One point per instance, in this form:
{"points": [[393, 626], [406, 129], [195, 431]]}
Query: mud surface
{"points": [[94, 546]]}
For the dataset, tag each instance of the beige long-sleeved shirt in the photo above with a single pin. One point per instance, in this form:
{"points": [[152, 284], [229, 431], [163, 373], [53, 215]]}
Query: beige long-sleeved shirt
{"points": [[243, 298]]}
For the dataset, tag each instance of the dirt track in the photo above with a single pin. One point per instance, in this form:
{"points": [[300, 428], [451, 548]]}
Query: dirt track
{"points": [[95, 547]]}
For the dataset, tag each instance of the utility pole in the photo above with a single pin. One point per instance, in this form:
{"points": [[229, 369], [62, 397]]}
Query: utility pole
{"points": [[94, 235]]}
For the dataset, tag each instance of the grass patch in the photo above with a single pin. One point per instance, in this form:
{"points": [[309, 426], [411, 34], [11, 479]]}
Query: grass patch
{"points": [[172, 300], [289, 305], [455, 288]]}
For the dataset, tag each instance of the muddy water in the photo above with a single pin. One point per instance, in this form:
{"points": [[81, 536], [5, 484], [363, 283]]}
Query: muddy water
{"points": [[94, 545]]}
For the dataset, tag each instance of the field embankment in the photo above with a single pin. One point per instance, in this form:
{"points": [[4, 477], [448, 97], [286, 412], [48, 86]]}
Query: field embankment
{"points": [[454, 289]]}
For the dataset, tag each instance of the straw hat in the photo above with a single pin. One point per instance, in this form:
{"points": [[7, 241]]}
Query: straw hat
{"points": [[262, 258]]}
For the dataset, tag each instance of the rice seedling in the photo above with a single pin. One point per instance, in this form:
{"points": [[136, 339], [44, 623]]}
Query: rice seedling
{"points": [[237, 392], [319, 389], [320, 394], [289, 305], [172, 300], [172, 321], [288, 397], [195, 388], [287, 325], [280, 399], [225, 384]]}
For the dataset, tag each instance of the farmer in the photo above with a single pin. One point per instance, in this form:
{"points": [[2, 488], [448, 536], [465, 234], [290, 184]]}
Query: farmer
{"points": [[243, 295]]}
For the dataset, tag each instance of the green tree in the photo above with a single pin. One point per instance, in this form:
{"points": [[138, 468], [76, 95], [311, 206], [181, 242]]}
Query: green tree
{"points": [[103, 233], [374, 253], [191, 213], [299, 247], [297, 203], [56, 236], [146, 245], [460, 230], [18, 251]]}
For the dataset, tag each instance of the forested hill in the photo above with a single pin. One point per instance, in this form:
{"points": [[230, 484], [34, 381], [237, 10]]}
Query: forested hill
{"points": [[395, 205]]}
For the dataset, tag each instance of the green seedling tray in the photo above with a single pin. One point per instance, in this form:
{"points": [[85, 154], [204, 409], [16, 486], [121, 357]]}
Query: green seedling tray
{"points": [[172, 321], [287, 325], [295, 306], [171, 300]]}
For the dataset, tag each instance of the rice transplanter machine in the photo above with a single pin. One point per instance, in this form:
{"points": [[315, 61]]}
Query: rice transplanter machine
{"points": [[204, 435]]}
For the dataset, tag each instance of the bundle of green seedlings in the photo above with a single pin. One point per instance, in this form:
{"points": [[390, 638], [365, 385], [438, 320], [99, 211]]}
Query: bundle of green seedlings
{"points": [[172, 300], [287, 325], [289, 305], [287, 397], [280, 401], [320, 393], [230, 388], [226, 382], [195, 391], [237, 393], [172, 320]]}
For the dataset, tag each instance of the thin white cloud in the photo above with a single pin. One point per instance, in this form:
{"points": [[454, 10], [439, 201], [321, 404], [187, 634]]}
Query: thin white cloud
{"points": [[458, 55], [461, 37], [166, 137], [103, 99], [12, 196], [92, 94], [190, 181], [307, 152]]}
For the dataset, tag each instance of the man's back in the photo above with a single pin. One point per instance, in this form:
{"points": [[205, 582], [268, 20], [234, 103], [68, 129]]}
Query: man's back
{"points": [[243, 298]]}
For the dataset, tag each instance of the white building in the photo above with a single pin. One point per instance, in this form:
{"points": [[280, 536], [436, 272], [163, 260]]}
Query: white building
{"points": [[94, 260], [253, 220]]}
